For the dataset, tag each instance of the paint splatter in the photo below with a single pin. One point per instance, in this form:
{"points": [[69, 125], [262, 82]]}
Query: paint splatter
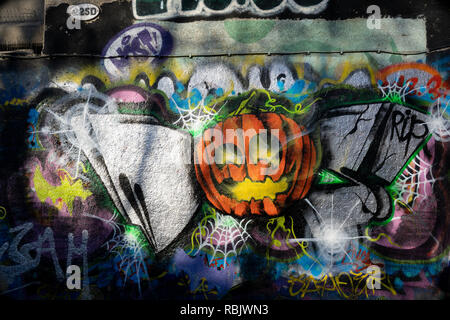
{"points": [[65, 193]]}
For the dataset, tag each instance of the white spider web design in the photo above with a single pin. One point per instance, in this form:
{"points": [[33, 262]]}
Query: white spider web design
{"points": [[224, 235], [393, 91], [439, 122], [415, 183], [128, 247], [130, 252], [194, 119]]}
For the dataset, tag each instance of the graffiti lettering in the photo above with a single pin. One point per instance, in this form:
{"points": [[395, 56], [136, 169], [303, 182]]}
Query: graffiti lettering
{"points": [[172, 8], [347, 285], [23, 261]]}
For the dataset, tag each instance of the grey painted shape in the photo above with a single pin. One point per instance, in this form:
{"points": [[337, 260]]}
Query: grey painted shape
{"points": [[339, 211], [214, 76], [347, 148], [350, 135], [349, 132], [341, 207], [154, 157], [395, 151], [359, 79]]}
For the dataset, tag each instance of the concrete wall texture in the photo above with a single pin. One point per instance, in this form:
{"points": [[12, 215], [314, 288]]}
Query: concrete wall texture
{"points": [[204, 150]]}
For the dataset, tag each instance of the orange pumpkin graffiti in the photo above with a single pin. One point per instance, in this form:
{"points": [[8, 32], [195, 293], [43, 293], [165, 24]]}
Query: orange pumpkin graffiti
{"points": [[256, 178]]}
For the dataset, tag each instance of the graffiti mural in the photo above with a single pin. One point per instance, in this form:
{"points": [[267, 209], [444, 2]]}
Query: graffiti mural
{"points": [[165, 9], [301, 176]]}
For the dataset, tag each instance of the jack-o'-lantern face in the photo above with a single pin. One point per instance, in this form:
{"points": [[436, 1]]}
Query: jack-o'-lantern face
{"points": [[255, 163]]}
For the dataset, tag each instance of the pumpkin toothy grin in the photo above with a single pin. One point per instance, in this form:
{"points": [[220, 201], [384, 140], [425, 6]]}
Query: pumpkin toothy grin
{"points": [[248, 189]]}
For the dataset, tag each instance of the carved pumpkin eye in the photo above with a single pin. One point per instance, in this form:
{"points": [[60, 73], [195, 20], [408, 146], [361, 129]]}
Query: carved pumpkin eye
{"points": [[265, 149], [228, 153]]}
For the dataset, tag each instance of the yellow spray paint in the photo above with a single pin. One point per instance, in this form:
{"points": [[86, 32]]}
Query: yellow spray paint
{"points": [[247, 189], [66, 192], [88, 70], [2, 213], [280, 223]]}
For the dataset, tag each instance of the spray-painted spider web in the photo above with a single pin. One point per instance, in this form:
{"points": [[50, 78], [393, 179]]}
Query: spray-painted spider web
{"points": [[194, 119], [224, 235], [128, 248], [415, 183], [396, 93], [439, 122]]}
